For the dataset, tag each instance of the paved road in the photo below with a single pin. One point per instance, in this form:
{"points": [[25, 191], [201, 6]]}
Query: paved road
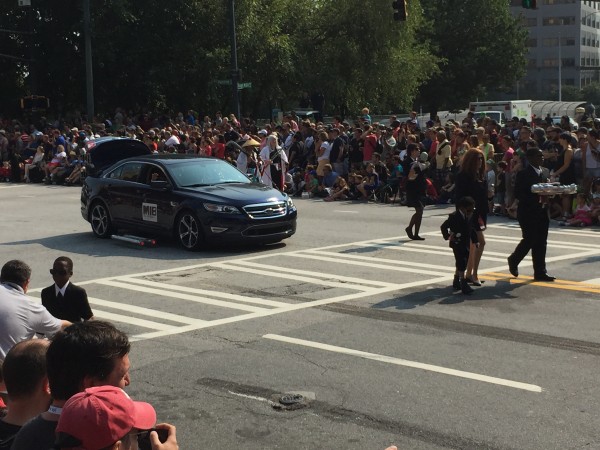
{"points": [[349, 313]]}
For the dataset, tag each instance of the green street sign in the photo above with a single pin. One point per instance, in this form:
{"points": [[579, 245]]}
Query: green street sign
{"points": [[224, 82], [244, 85]]}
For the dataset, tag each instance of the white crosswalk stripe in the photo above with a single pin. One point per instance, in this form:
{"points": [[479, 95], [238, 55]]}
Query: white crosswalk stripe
{"points": [[328, 265]]}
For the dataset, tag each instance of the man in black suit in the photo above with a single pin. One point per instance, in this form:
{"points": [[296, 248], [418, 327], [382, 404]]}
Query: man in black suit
{"points": [[63, 299], [533, 218]]}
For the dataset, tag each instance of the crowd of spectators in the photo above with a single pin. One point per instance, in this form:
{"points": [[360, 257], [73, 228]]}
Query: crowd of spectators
{"points": [[342, 160]]}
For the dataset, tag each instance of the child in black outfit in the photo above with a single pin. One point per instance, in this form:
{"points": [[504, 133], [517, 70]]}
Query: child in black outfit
{"points": [[459, 231]]}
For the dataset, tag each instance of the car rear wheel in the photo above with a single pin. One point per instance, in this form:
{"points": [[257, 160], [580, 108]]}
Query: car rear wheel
{"points": [[188, 231], [100, 220]]}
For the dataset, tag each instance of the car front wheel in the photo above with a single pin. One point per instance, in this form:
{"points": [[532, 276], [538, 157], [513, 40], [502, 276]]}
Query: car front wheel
{"points": [[100, 220], [188, 232]]}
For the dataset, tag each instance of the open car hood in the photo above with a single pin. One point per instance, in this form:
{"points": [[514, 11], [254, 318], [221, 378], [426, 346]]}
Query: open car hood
{"points": [[104, 152]]}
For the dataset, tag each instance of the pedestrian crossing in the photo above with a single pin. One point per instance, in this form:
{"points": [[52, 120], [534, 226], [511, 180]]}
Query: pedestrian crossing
{"points": [[165, 302]]}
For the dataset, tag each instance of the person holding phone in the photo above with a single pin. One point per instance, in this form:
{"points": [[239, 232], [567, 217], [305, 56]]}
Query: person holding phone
{"points": [[105, 417]]}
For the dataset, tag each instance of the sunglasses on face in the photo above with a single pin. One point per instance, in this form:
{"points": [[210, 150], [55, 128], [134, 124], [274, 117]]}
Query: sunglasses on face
{"points": [[61, 272]]}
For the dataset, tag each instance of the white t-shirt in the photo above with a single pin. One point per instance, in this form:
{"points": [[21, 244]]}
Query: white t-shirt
{"points": [[327, 146], [21, 318], [173, 141], [590, 161]]}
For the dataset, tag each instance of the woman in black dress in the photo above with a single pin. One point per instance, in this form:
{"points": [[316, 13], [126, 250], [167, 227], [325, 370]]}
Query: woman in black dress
{"points": [[565, 171], [415, 189], [471, 182]]}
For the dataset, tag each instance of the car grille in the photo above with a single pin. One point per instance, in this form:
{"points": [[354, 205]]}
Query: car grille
{"points": [[266, 210]]}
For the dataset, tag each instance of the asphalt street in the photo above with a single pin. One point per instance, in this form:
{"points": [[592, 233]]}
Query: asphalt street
{"points": [[349, 314]]}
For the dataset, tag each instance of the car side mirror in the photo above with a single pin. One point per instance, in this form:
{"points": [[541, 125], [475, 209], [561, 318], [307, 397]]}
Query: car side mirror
{"points": [[160, 185]]}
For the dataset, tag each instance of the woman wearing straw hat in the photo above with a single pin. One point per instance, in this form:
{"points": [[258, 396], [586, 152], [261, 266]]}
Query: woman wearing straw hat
{"points": [[247, 155]]}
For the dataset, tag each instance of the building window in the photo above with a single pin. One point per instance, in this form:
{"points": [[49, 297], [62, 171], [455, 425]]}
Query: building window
{"points": [[566, 20], [558, 2], [568, 62], [550, 62], [532, 42], [550, 42], [529, 21], [531, 63]]}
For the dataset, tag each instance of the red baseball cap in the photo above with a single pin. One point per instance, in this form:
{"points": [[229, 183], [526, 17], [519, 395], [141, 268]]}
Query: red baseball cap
{"points": [[101, 415]]}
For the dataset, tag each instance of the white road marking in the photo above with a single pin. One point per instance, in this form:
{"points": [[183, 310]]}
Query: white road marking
{"points": [[181, 296], [204, 292], [549, 244], [288, 270], [592, 281], [347, 212], [133, 321], [579, 232], [281, 274], [406, 363], [144, 311], [289, 308], [381, 263], [251, 397], [255, 312]]}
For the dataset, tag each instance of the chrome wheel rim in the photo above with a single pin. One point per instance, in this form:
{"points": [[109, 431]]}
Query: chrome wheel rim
{"points": [[100, 220], [188, 231]]}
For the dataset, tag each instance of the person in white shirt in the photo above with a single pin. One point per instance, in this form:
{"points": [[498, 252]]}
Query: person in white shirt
{"points": [[20, 316]]}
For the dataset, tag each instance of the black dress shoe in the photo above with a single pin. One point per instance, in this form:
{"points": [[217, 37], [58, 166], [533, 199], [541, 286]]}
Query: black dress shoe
{"points": [[465, 288], [456, 283], [416, 237], [409, 233], [513, 268], [544, 277]]}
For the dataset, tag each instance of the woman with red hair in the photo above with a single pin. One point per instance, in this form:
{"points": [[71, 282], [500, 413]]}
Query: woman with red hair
{"points": [[471, 182]]}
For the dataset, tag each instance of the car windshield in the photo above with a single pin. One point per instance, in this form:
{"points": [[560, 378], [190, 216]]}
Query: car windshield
{"points": [[205, 172]]}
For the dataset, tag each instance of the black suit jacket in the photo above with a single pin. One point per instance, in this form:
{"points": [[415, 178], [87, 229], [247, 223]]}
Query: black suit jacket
{"points": [[457, 224], [529, 203], [74, 306]]}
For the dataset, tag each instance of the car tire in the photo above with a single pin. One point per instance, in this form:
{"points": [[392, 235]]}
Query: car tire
{"points": [[100, 220], [188, 231]]}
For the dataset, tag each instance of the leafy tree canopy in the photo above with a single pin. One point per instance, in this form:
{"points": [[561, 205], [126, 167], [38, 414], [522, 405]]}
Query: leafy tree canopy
{"points": [[158, 55]]}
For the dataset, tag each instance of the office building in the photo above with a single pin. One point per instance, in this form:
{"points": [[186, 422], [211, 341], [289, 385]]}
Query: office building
{"points": [[569, 28]]}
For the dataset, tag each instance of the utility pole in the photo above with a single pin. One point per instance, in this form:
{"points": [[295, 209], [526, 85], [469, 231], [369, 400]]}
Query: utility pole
{"points": [[235, 72], [89, 74]]}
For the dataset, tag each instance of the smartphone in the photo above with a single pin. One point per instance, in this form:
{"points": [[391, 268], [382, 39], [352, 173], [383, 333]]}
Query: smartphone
{"points": [[144, 438]]}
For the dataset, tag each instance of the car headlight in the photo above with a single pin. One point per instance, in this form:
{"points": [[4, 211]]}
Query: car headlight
{"points": [[290, 204], [226, 209]]}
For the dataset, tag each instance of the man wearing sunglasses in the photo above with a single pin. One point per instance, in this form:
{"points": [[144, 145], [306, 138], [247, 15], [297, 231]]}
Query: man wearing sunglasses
{"points": [[20, 316], [63, 299]]}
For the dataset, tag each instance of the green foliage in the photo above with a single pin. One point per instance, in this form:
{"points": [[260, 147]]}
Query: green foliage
{"points": [[591, 93], [159, 55], [483, 48]]}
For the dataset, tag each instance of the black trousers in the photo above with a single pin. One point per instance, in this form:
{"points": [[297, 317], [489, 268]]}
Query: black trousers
{"points": [[534, 228], [461, 257]]}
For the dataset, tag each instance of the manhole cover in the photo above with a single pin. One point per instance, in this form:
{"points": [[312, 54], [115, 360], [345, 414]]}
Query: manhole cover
{"points": [[291, 399]]}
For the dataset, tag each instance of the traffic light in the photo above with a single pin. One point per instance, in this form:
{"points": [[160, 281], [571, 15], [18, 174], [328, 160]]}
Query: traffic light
{"points": [[400, 10], [529, 4]]}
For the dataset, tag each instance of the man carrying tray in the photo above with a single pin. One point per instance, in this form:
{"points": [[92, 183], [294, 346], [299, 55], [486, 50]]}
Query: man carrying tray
{"points": [[533, 218]]}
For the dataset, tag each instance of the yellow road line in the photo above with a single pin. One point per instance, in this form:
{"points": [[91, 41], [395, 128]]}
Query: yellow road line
{"points": [[567, 285]]}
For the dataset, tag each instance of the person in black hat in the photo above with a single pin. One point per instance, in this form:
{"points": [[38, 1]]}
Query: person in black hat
{"points": [[533, 218]]}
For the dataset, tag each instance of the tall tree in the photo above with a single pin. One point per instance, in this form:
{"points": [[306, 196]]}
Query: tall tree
{"points": [[482, 46]]}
